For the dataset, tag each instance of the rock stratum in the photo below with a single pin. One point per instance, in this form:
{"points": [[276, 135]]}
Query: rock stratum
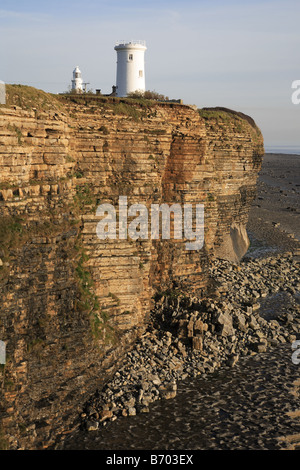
{"points": [[72, 305]]}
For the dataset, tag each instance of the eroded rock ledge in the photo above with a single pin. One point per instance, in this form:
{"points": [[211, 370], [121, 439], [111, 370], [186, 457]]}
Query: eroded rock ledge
{"points": [[71, 304]]}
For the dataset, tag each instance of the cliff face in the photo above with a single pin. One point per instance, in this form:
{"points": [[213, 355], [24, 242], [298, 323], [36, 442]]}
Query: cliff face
{"points": [[72, 304]]}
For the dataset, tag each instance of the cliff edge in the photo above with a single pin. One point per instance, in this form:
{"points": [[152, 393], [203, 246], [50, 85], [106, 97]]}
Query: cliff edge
{"points": [[72, 304]]}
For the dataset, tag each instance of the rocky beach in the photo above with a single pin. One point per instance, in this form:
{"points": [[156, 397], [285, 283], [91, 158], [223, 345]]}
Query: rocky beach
{"points": [[218, 372]]}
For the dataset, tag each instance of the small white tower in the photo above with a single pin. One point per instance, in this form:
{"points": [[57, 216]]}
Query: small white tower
{"points": [[130, 67], [77, 80]]}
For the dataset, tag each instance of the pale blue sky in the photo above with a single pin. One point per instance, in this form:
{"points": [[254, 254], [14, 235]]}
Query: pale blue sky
{"points": [[241, 55]]}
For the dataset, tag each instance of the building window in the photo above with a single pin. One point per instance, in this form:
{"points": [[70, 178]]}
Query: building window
{"points": [[130, 56], [141, 74]]}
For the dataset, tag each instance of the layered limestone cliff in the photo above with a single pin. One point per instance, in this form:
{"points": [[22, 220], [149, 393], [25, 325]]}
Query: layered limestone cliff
{"points": [[72, 304]]}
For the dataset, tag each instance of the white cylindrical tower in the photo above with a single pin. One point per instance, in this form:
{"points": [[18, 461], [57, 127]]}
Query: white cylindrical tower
{"points": [[77, 80], [130, 67]]}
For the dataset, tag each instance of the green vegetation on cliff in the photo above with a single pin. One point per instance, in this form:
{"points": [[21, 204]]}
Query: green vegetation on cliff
{"points": [[219, 118], [28, 98], [224, 114]]}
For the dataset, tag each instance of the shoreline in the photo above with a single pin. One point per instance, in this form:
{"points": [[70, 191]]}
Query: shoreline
{"points": [[256, 310]]}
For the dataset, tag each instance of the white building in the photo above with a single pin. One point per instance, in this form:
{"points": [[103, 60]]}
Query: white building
{"points": [[130, 67], [77, 80]]}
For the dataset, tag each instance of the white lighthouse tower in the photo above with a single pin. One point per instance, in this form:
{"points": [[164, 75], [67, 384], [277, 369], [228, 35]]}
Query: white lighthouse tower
{"points": [[77, 80], [130, 67]]}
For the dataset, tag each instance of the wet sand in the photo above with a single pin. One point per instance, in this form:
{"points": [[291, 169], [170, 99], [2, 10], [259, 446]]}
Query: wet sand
{"points": [[274, 220], [252, 406]]}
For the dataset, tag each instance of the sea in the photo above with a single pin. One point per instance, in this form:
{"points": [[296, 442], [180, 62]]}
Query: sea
{"points": [[287, 149]]}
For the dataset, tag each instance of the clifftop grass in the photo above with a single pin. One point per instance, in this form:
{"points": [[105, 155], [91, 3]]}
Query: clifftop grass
{"points": [[28, 98], [224, 114], [240, 122]]}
